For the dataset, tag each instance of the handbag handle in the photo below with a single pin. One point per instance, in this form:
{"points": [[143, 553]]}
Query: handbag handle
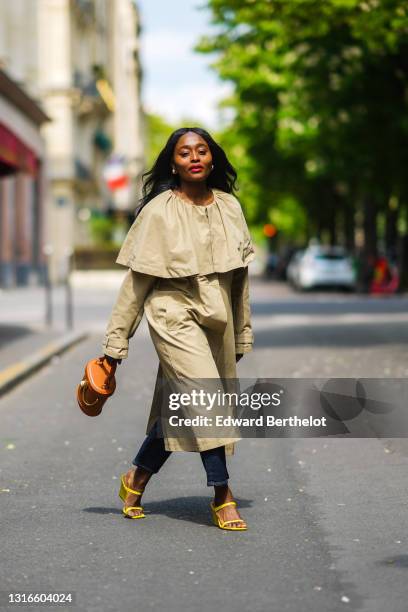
{"points": [[84, 385], [102, 361]]}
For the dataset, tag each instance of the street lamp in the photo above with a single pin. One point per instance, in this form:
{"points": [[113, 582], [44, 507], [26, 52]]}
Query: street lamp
{"points": [[48, 251], [69, 310]]}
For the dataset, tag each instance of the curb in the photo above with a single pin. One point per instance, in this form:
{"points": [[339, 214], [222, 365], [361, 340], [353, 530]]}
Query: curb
{"points": [[17, 372]]}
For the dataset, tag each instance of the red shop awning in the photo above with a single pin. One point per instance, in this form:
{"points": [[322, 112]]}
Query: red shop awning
{"points": [[15, 153]]}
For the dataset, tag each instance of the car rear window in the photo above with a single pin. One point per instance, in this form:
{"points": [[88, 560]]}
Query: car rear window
{"points": [[330, 257]]}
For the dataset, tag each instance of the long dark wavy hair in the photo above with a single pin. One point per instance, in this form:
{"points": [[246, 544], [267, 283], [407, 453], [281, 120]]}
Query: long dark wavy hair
{"points": [[160, 177]]}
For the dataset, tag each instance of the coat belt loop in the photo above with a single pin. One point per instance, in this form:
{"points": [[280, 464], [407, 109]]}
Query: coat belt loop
{"points": [[191, 284]]}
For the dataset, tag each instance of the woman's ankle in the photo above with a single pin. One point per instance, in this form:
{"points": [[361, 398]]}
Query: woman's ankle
{"points": [[138, 477], [222, 494]]}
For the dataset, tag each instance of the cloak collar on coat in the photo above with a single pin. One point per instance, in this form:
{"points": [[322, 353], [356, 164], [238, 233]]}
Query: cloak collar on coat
{"points": [[172, 238]]}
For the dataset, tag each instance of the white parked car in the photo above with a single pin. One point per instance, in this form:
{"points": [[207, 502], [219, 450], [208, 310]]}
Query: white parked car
{"points": [[319, 266]]}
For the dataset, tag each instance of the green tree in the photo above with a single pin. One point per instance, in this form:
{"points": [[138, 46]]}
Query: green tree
{"points": [[320, 101], [157, 132]]}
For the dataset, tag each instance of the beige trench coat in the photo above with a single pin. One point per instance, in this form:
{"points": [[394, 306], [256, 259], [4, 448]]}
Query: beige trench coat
{"points": [[188, 272]]}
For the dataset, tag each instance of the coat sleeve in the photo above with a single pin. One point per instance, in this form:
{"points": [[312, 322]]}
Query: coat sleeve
{"points": [[127, 313], [244, 337]]}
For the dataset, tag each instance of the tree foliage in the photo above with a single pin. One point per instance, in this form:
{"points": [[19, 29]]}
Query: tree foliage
{"points": [[320, 100], [157, 132]]}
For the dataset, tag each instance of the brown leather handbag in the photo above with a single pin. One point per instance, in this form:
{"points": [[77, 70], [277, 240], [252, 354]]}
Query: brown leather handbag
{"points": [[96, 386]]}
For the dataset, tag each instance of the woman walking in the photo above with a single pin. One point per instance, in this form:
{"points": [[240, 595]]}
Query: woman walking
{"points": [[187, 254]]}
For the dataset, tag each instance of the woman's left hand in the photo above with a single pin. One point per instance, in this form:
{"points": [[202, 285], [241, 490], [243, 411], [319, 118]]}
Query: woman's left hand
{"points": [[238, 356]]}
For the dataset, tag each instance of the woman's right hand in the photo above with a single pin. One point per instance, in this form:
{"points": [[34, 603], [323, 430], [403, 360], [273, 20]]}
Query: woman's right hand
{"points": [[112, 360]]}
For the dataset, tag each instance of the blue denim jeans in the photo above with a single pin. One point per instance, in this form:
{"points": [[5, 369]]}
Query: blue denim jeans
{"points": [[152, 454]]}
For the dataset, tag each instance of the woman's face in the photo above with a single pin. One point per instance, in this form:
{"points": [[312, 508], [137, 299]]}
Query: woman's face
{"points": [[192, 158]]}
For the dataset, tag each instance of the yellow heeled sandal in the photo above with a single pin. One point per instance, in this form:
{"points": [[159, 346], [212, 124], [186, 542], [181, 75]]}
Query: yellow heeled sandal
{"points": [[122, 494], [222, 524]]}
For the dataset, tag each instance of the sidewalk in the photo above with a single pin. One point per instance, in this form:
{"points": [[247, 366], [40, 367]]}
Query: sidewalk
{"points": [[27, 342], [23, 331], [20, 341]]}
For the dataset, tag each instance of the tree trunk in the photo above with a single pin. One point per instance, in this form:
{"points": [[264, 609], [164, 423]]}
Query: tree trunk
{"points": [[348, 226], [402, 262], [332, 226], [391, 232], [370, 226]]}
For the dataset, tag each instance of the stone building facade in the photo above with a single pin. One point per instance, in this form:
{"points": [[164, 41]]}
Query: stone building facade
{"points": [[79, 61], [22, 186]]}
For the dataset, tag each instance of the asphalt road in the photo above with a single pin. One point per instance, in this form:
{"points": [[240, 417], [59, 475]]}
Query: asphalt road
{"points": [[327, 517]]}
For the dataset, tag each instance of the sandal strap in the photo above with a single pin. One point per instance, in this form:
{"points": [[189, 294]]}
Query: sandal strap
{"points": [[233, 521], [230, 503], [126, 508], [129, 490]]}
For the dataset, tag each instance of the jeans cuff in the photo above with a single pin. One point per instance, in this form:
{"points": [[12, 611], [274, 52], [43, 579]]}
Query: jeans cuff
{"points": [[144, 467], [211, 483]]}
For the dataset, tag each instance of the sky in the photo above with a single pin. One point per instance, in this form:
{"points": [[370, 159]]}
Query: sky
{"points": [[177, 82]]}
